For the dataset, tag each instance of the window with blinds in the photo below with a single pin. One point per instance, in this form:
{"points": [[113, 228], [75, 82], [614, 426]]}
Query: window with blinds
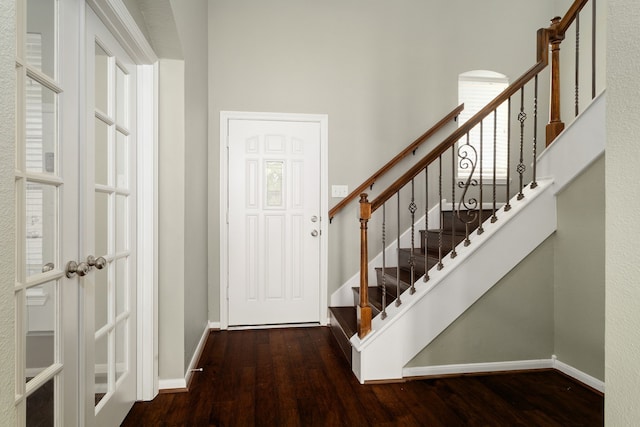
{"points": [[476, 89]]}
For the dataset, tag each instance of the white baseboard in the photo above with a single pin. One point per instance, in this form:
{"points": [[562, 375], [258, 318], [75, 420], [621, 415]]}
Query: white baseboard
{"points": [[181, 383], [174, 383], [472, 368], [578, 375], [214, 325], [520, 365]]}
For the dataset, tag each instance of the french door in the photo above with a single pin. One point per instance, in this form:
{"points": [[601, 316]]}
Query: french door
{"points": [[75, 204]]}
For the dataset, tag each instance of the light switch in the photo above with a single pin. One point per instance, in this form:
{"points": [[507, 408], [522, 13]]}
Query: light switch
{"points": [[339, 191]]}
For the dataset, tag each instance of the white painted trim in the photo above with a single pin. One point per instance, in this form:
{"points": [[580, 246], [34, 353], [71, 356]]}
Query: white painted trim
{"points": [[214, 325], [323, 121], [147, 253], [173, 383], [578, 375], [277, 326], [118, 20], [116, 17], [518, 365], [473, 368], [196, 354]]}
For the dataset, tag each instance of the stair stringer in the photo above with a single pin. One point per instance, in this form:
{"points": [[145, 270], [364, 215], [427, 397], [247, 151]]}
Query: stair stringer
{"points": [[436, 304], [449, 292]]}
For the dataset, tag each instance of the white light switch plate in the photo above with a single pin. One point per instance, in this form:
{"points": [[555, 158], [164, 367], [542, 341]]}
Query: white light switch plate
{"points": [[339, 191]]}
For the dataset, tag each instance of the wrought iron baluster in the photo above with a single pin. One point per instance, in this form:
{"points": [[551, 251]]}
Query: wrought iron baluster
{"points": [[480, 228], [577, 82], [534, 183], [440, 265], [468, 161], [398, 301], [522, 116], [426, 223], [384, 261], [412, 210], [593, 49], [453, 203], [495, 152], [507, 207]]}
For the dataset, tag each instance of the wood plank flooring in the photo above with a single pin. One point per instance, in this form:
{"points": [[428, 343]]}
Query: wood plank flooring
{"points": [[298, 377]]}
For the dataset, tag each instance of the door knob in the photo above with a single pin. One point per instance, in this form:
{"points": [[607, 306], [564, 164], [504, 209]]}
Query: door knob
{"points": [[98, 263], [314, 219], [314, 233], [74, 268]]}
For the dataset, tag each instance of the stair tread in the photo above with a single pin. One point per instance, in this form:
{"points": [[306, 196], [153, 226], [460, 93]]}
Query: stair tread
{"points": [[375, 298], [347, 319]]}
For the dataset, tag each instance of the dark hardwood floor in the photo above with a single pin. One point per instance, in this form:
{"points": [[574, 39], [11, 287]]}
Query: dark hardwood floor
{"points": [[298, 377]]}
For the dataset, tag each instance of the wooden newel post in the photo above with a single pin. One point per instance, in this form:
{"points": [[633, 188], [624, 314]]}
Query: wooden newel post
{"points": [[364, 310], [555, 125]]}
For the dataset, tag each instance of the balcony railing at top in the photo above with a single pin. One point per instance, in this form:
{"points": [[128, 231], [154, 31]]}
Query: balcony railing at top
{"points": [[467, 174]]}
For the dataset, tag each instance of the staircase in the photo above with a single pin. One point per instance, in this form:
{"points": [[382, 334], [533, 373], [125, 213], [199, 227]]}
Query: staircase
{"points": [[435, 245], [421, 289]]}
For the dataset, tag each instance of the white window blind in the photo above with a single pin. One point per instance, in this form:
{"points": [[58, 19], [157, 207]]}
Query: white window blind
{"points": [[476, 89]]}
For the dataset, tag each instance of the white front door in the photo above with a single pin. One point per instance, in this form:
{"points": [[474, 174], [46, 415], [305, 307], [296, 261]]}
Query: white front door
{"points": [[108, 228], [274, 222]]}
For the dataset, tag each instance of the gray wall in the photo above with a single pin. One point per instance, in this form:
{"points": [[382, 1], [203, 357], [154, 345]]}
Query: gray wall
{"points": [[579, 273], [7, 210], [622, 273], [383, 72], [191, 23], [550, 303]]}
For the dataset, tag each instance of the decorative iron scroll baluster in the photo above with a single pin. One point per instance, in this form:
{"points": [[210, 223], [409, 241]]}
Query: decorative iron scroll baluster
{"points": [[468, 160], [453, 202], [522, 116], [384, 262], [495, 143], [593, 49], [507, 207], [440, 228], [480, 229], [412, 210], [534, 184], [577, 89], [398, 301], [426, 223]]}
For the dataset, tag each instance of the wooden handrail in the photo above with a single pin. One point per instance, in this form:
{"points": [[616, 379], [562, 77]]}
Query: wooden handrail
{"points": [[384, 169], [571, 15], [459, 133]]}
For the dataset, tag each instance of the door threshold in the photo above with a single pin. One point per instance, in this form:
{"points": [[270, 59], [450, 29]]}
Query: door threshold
{"points": [[276, 326]]}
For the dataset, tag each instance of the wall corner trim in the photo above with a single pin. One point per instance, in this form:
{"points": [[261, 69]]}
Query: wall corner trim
{"points": [[578, 375]]}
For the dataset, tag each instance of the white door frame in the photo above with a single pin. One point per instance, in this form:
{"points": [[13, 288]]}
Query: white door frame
{"points": [[119, 21], [225, 117]]}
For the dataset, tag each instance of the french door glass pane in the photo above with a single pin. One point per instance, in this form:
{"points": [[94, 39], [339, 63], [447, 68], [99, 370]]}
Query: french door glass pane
{"points": [[121, 223], [101, 224], [40, 406], [121, 161], [121, 98], [40, 328], [41, 35], [41, 231], [121, 348], [40, 132], [121, 285], [102, 80], [101, 296], [101, 368], [101, 152]]}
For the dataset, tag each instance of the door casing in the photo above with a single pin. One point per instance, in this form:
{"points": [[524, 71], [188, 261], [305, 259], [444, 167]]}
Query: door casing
{"points": [[225, 117]]}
